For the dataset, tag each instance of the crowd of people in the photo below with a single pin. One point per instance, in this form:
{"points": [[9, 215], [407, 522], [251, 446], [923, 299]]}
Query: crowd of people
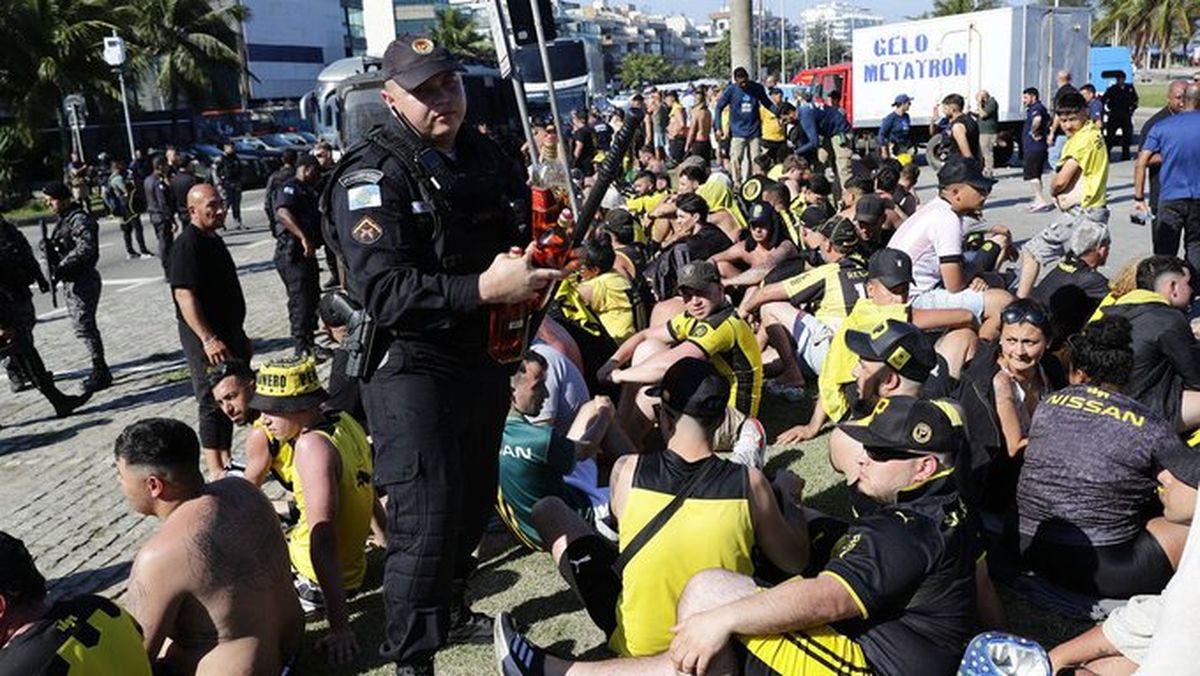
{"points": [[996, 410]]}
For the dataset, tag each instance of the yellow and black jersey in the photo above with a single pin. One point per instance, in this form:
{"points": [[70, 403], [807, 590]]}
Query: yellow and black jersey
{"points": [[283, 466], [84, 636], [729, 343], [712, 529], [838, 369], [832, 288]]}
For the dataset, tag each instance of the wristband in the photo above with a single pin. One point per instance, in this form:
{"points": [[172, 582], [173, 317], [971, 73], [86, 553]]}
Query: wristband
{"points": [[209, 339], [1139, 199]]}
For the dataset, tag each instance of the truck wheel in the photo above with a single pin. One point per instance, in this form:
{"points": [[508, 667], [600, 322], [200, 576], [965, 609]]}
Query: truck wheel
{"points": [[931, 156]]}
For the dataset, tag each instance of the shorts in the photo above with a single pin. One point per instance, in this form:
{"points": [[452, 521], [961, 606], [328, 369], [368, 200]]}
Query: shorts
{"points": [[812, 652], [587, 566], [660, 138], [312, 599], [1034, 164], [726, 435], [941, 299], [1139, 566], [813, 339], [1131, 627], [702, 149], [1050, 245]]}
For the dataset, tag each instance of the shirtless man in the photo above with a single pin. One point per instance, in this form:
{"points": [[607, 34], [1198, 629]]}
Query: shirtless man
{"points": [[215, 578]]}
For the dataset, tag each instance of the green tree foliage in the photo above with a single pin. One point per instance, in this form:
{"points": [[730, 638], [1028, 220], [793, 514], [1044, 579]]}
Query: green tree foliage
{"points": [[952, 7], [717, 58], [456, 30], [824, 50], [645, 68], [1141, 24]]}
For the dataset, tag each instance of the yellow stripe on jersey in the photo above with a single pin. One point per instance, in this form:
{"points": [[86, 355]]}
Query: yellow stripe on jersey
{"points": [[820, 651], [732, 348]]}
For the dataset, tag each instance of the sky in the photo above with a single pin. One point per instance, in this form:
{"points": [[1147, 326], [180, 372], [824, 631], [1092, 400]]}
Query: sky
{"points": [[698, 9]]}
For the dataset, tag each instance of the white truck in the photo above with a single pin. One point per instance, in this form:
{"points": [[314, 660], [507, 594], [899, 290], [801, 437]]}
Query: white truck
{"points": [[1001, 50]]}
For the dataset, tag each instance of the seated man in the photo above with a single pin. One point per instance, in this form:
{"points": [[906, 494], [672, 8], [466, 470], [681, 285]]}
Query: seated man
{"points": [[232, 385], [214, 579], [933, 238], [1166, 355], [896, 598], [1087, 485], [81, 635], [535, 459], [1074, 288], [709, 328], [806, 309], [332, 486], [889, 276], [1122, 642], [722, 511]]}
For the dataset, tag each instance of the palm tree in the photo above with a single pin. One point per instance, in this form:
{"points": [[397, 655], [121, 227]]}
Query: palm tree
{"points": [[184, 42], [1142, 23], [950, 7], [456, 31]]}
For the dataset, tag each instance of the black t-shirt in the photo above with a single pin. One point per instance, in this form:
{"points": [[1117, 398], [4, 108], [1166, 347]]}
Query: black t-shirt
{"points": [[1072, 290], [972, 129], [203, 264], [181, 182], [910, 569], [303, 201], [707, 241], [84, 636], [587, 138]]}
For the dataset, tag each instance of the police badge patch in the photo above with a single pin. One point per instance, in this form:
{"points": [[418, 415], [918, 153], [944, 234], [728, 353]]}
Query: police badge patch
{"points": [[367, 231]]}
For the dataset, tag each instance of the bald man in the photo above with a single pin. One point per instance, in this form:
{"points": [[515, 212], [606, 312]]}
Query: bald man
{"points": [[210, 308]]}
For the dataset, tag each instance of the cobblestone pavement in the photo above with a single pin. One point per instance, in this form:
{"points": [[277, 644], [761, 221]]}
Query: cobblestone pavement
{"points": [[59, 485]]}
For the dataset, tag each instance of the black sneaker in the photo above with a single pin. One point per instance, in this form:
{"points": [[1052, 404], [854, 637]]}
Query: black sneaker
{"points": [[423, 667], [67, 404], [467, 626], [515, 655]]}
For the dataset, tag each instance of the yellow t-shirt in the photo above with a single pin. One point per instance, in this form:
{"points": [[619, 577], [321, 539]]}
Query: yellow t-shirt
{"points": [[772, 128], [1087, 147], [838, 369], [610, 300], [355, 502], [730, 344], [641, 206], [283, 466]]}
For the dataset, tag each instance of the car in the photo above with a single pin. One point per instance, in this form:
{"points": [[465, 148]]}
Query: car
{"points": [[282, 141], [257, 165]]}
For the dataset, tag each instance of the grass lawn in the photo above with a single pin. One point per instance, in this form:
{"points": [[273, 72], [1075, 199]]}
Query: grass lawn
{"points": [[1152, 95], [32, 208], [528, 585]]}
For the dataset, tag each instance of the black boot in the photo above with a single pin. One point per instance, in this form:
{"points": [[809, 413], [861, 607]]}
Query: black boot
{"points": [[101, 377], [18, 380], [466, 625], [65, 404]]}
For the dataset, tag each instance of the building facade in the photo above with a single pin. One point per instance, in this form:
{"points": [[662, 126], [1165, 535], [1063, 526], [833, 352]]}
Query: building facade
{"points": [[841, 18], [383, 20]]}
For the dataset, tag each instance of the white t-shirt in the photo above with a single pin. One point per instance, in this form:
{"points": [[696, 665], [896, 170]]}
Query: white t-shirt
{"points": [[567, 388], [931, 235]]}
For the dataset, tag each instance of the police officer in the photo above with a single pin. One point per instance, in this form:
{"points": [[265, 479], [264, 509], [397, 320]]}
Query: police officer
{"points": [[227, 174], [297, 210], [424, 214], [182, 179], [75, 249], [285, 171], [18, 270], [160, 206], [1120, 102]]}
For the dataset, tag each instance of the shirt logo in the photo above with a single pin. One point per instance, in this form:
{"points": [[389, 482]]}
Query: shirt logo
{"points": [[367, 231]]}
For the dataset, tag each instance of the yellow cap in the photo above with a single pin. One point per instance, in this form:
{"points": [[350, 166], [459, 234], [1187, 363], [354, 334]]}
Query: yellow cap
{"points": [[288, 384]]}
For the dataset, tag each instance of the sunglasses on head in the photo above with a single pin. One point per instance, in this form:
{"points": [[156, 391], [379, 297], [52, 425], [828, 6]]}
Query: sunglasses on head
{"points": [[1023, 315]]}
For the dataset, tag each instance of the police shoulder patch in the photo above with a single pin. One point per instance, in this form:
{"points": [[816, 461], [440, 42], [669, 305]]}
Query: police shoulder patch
{"points": [[367, 231], [364, 197], [360, 176]]}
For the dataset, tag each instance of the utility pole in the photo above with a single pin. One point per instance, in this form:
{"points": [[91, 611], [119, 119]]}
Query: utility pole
{"points": [[740, 22], [783, 41]]}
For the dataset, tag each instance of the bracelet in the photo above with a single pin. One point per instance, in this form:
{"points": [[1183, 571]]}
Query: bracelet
{"points": [[209, 339], [1139, 199]]}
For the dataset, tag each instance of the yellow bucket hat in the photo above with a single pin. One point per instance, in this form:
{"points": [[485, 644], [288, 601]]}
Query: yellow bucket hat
{"points": [[289, 384]]}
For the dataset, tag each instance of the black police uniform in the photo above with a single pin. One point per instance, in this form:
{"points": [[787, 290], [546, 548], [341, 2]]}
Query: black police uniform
{"points": [[19, 269], [274, 181], [181, 182], [227, 169], [300, 274], [436, 403], [76, 251], [160, 206]]}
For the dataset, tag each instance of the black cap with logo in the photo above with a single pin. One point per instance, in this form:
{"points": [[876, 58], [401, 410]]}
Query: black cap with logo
{"points": [[413, 58], [968, 170], [1183, 463], [907, 427], [693, 387], [697, 275], [869, 209], [839, 230], [900, 345], [891, 267]]}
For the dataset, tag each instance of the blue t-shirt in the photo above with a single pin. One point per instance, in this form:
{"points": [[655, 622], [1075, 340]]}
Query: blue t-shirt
{"points": [[744, 120], [1028, 143], [833, 121], [807, 117], [1177, 139], [1096, 109], [895, 129]]}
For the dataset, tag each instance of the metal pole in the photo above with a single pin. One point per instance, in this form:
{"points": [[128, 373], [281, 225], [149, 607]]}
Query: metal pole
{"points": [[828, 39], [783, 41], [564, 156], [125, 105], [518, 83]]}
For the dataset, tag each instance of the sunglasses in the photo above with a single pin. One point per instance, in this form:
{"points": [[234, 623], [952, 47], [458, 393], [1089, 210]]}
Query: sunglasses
{"points": [[881, 454], [1023, 315]]}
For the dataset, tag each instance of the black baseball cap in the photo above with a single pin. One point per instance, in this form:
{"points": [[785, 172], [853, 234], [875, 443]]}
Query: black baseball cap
{"points": [[620, 222], [697, 275], [839, 230], [814, 216], [892, 267], [762, 213], [900, 345], [968, 170], [413, 58], [1183, 463], [901, 428], [57, 189], [869, 209], [693, 387]]}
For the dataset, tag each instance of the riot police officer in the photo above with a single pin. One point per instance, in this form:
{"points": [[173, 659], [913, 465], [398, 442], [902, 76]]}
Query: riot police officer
{"points": [[160, 206], [424, 214], [298, 213], [227, 174], [19, 269], [75, 249]]}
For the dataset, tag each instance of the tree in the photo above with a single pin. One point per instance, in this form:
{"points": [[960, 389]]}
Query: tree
{"points": [[951, 7], [717, 58], [1145, 23], [184, 42], [637, 69], [823, 49], [456, 30]]}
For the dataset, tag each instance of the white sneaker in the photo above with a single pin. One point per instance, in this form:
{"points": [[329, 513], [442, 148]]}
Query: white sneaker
{"points": [[750, 449]]}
